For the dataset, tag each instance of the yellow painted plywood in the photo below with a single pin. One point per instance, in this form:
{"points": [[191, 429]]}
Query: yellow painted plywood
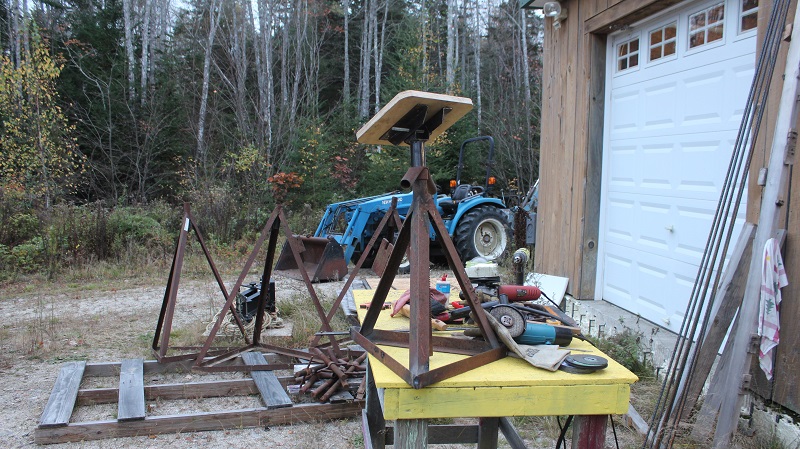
{"points": [[371, 133], [431, 402], [507, 387]]}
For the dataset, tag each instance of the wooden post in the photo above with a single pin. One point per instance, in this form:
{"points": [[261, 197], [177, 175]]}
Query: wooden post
{"points": [[487, 433], [411, 433], [589, 432], [772, 199]]}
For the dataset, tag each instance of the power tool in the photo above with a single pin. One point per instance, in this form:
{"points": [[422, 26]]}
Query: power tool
{"points": [[527, 332]]}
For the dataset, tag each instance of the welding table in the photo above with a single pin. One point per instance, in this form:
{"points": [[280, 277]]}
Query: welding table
{"points": [[505, 388]]}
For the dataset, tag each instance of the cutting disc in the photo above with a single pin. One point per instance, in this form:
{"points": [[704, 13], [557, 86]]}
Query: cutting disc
{"points": [[583, 363], [510, 318]]}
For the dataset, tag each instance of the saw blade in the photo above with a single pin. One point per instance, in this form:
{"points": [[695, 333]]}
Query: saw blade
{"points": [[510, 318]]}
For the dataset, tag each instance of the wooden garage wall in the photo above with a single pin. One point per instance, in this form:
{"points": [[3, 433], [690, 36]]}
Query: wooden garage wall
{"points": [[571, 156], [784, 389]]}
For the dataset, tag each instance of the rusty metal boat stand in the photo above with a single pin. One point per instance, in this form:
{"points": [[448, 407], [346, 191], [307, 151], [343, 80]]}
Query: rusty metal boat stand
{"points": [[413, 118], [207, 358]]}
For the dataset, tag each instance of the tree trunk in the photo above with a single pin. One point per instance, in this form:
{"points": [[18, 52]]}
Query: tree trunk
{"points": [[213, 19], [477, 42], [300, 38], [285, 57], [450, 62], [148, 7], [346, 84], [127, 13], [424, 38], [366, 46]]}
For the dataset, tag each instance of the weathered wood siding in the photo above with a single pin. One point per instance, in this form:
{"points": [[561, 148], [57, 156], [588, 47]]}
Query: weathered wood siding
{"points": [[571, 156], [784, 389]]}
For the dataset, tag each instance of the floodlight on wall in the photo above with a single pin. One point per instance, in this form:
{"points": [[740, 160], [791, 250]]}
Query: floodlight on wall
{"points": [[554, 10]]}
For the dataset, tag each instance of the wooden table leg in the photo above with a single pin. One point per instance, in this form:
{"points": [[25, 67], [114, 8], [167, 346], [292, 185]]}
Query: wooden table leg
{"points": [[411, 433], [373, 424], [487, 433], [589, 431]]}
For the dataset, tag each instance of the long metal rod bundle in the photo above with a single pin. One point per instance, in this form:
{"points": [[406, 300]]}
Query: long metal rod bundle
{"points": [[666, 415]]}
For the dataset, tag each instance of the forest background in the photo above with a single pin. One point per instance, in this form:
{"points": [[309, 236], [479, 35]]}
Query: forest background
{"points": [[115, 112]]}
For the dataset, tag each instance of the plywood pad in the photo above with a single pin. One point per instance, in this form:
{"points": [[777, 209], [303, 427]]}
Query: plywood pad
{"points": [[402, 103], [553, 286]]}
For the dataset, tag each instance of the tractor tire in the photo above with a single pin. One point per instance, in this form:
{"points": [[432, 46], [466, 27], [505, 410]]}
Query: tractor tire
{"points": [[482, 232]]}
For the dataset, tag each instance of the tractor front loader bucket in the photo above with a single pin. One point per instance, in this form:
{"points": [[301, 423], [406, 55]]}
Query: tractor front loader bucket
{"points": [[322, 258]]}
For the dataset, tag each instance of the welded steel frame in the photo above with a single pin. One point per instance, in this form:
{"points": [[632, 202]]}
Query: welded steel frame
{"points": [[207, 358], [414, 129], [160, 344]]}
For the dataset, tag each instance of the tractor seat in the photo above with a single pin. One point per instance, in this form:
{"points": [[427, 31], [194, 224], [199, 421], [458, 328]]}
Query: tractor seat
{"points": [[449, 205]]}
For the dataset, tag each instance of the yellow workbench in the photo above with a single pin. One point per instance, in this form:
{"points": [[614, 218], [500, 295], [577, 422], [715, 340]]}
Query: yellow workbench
{"points": [[507, 387]]}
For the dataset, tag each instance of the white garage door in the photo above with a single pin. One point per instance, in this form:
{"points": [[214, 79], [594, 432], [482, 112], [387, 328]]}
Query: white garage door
{"points": [[677, 87]]}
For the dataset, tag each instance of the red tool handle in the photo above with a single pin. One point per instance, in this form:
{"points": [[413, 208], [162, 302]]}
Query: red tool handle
{"points": [[516, 293]]}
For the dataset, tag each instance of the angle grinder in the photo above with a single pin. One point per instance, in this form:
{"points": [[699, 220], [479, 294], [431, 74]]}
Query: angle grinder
{"points": [[528, 333]]}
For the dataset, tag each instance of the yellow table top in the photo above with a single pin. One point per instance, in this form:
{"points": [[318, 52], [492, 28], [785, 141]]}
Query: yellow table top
{"points": [[507, 387]]}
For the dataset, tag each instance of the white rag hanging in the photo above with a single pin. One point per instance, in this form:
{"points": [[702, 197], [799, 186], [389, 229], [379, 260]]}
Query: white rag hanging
{"points": [[773, 278]]}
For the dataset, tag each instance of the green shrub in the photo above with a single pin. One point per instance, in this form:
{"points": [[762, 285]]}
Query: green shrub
{"points": [[22, 227], [625, 347], [29, 256]]}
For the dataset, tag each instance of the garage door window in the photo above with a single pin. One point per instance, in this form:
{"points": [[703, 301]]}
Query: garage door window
{"points": [[707, 26], [662, 41], [628, 55], [749, 15]]}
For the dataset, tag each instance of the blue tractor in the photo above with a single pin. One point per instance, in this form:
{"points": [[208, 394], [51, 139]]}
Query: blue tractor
{"points": [[479, 224]]}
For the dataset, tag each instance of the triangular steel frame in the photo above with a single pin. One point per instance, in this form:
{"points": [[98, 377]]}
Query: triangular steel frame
{"points": [[414, 128]]}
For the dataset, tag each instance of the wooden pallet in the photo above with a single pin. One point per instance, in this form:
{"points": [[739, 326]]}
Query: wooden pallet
{"points": [[132, 394]]}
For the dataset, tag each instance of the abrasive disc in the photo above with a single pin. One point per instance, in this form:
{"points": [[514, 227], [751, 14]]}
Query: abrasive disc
{"points": [[510, 318], [583, 363]]}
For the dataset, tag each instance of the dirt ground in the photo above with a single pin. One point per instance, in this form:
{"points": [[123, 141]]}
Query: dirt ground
{"points": [[43, 327]]}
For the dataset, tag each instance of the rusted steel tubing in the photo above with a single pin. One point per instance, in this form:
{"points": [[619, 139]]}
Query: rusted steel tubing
{"points": [[330, 364], [309, 383], [361, 389], [331, 391], [325, 375], [324, 387]]}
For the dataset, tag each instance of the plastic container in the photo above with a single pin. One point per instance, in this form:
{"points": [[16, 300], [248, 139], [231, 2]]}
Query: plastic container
{"points": [[443, 286]]}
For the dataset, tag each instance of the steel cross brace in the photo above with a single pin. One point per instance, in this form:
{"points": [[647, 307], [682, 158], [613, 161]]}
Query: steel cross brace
{"points": [[414, 237], [164, 327], [390, 213], [208, 359]]}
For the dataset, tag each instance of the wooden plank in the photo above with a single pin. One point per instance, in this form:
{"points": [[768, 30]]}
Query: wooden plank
{"points": [[131, 390], [487, 433], [775, 188], [341, 396], [727, 302], [373, 131], [411, 433], [505, 401], [589, 431], [231, 419], [373, 421], [444, 434], [192, 390], [634, 419], [62, 399], [595, 69], [787, 376], [625, 13], [272, 391]]}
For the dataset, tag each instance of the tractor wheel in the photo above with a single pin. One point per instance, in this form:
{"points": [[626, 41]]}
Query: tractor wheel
{"points": [[482, 232]]}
